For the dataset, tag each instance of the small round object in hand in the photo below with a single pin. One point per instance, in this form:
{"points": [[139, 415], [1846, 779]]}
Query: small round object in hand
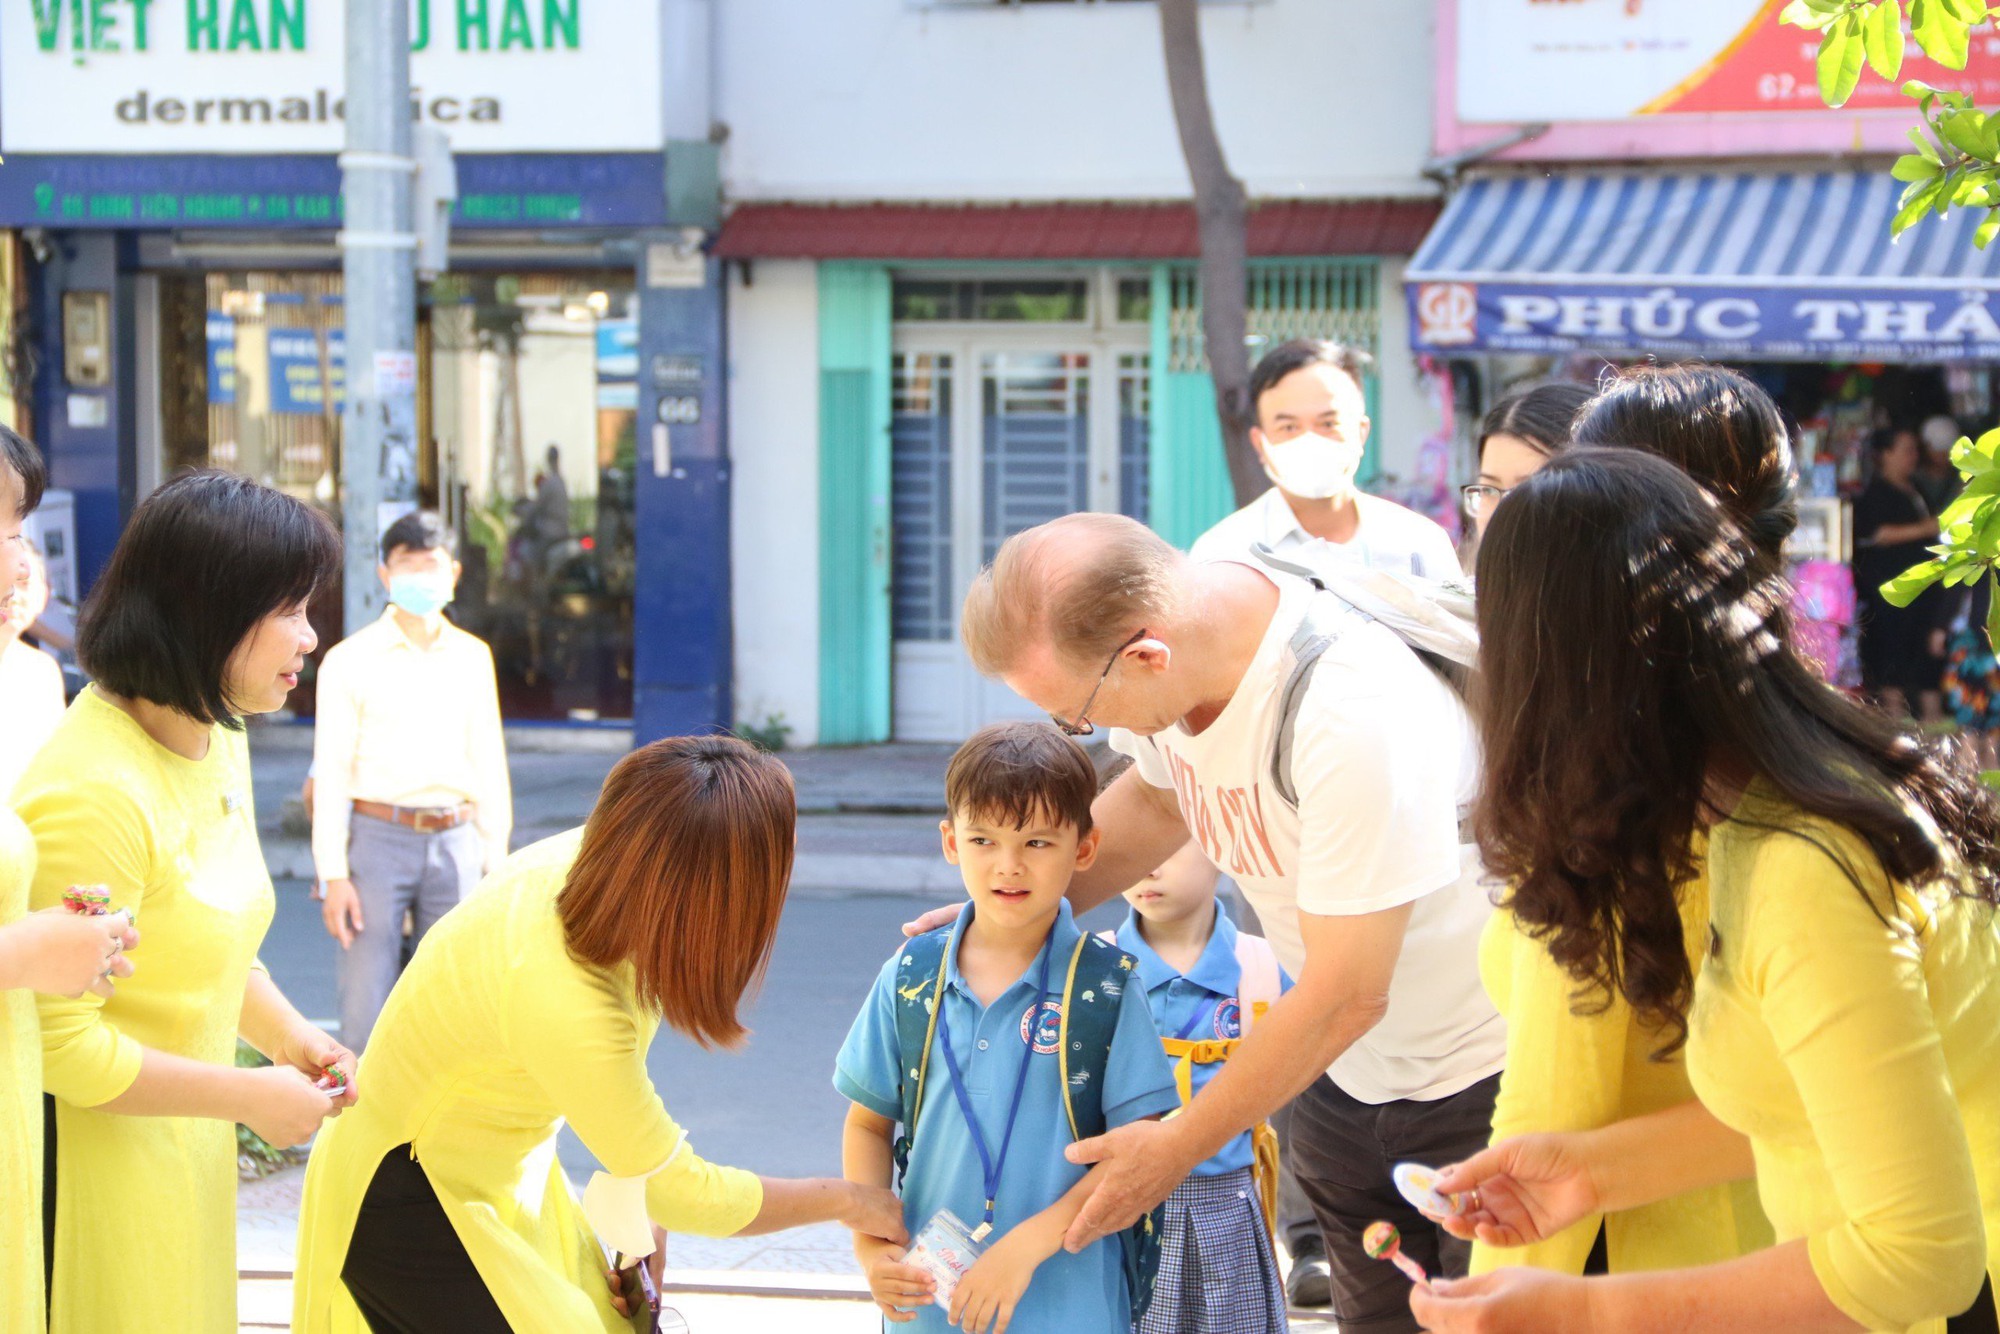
{"points": [[90, 900], [1381, 1240], [332, 1079]]}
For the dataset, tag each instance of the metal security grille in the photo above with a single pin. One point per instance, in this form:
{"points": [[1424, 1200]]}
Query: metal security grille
{"points": [[1036, 411], [1329, 298], [1135, 435], [923, 602]]}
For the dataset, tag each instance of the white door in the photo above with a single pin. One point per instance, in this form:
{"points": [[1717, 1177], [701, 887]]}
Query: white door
{"points": [[994, 431]]}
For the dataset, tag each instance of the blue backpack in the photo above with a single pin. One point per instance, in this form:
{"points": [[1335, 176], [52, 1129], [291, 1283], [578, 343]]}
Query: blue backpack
{"points": [[1096, 978]]}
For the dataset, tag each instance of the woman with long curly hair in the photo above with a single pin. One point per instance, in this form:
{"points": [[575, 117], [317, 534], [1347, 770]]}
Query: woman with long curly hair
{"points": [[1579, 1057], [1843, 1030]]}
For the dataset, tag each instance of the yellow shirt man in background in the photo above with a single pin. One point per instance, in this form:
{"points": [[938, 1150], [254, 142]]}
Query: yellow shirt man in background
{"points": [[411, 803]]}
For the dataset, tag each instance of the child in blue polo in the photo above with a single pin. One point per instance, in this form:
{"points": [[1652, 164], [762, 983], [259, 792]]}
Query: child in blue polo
{"points": [[1036, 1041], [1205, 983]]}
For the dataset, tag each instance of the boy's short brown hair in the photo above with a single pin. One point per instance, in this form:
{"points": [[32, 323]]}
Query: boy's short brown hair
{"points": [[1019, 772]]}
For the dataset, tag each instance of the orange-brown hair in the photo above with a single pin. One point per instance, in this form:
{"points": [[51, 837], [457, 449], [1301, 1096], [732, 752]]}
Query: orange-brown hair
{"points": [[1019, 772], [682, 874]]}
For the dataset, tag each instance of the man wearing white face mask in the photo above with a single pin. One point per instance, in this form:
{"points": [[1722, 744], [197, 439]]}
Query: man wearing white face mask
{"points": [[411, 803], [1312, 423]]}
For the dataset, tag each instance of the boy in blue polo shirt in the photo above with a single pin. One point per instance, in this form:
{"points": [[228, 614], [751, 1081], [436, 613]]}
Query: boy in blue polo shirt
{"points": [[1206, 984], [992, 1114]]}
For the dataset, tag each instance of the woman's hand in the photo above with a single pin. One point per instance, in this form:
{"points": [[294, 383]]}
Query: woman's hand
{"points": [[310, 1052], [875, 1212], [1528, 1188], [626, 1296], [1506, 1301], [281, 1105], [65, 953], [984, 1300], [900, 1290]]}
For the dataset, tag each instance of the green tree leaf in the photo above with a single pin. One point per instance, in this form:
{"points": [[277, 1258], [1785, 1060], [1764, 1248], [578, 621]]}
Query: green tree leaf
{"points": [[1961, 130], [1913, 167], [1976, 460], [1915, 201], [1942, 34], [1808, 15], [1904, 588], [1993, 610], [1970, 12], [1924, 145], [1987, 230], [1882, 35], [1840, 57]]}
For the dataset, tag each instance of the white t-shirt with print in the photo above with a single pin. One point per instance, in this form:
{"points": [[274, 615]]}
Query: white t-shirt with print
{"points": [[1386, 537], [1383, 758]]}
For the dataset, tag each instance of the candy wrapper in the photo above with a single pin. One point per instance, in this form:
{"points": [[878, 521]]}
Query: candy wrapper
{"points": [[90, 900], [944, 1248]]}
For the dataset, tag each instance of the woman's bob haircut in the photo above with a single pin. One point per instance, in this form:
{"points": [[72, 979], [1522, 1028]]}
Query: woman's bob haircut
{"points": [[682, 874], [204, 559]]}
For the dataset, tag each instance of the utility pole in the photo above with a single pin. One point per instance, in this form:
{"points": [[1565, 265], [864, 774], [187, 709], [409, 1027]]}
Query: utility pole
{"points": [[378, 467]]}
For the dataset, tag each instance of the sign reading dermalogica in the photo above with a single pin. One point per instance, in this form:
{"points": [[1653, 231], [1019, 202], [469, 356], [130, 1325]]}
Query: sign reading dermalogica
{"points": [[268, 76]]}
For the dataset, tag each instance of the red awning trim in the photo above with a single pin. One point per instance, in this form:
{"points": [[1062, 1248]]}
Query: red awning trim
{"points": [[1072, 231]]}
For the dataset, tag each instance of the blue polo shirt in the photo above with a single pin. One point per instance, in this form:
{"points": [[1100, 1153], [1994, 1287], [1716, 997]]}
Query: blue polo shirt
{"points": [[1070, 1294], [1199, 1005]]}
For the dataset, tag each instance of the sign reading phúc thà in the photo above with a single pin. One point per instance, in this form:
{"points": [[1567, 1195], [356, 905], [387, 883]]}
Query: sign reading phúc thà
{"points": [[1757, 322], [267, 76]]}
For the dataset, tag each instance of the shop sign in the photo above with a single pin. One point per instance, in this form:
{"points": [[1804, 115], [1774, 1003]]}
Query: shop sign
{"points": [[1767, 323], [1603, 60], [221, 359], [297, 387], [268, 76]]}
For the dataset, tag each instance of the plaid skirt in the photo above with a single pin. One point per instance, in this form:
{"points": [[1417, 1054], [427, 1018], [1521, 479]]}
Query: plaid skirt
{"points": [[1217, 1273]]}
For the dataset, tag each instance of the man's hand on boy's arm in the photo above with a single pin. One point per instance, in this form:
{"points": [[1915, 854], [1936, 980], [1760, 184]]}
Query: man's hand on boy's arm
{"points": [[1341, 993], [984, 1301]]}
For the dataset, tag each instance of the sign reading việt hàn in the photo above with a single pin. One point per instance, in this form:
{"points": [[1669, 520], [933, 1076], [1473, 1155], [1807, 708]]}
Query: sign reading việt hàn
{"points": [[1610, 60], [268, 76], [1803, 323]]}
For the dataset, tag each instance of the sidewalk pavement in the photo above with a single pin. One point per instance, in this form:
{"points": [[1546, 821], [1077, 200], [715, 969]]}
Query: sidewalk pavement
{"points": [[868, 814]]}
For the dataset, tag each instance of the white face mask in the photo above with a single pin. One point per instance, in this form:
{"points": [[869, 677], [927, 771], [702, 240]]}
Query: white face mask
{"points": [[1311, 466]]}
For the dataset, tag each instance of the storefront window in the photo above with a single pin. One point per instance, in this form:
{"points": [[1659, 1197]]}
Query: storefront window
{"points": [[528, 401]]}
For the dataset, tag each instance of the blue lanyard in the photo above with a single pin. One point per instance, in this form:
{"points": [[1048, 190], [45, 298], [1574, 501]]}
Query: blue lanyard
{"points": [[990, 1166], [1192, 1024]]}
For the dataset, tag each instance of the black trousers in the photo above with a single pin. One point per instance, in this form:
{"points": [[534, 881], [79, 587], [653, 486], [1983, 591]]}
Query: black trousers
{"points": [[1980, 1319], [406, 1268], [1343, 1151]]}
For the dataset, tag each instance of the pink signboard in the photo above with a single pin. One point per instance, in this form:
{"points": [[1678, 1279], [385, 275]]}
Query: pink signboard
{"points": [[1636, 79]]}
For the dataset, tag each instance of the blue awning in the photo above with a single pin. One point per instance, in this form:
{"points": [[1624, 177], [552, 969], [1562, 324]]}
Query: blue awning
{"points": [[1751, 265]]}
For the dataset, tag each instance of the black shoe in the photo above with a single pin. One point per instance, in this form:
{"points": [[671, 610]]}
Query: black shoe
{"points": [[1311, 1281]]}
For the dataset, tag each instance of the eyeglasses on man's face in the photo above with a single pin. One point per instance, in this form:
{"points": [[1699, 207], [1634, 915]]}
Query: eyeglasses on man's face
{"points": [[1083, 726]]}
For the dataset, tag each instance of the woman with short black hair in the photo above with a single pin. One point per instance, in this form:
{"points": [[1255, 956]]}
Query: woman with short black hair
{"points": [[198, 621]]}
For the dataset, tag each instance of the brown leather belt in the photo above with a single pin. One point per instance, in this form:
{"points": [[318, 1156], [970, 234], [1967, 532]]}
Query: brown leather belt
{"points": [[423, 819]]}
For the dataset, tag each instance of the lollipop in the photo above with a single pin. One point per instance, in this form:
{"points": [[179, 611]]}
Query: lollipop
{"points": [[90, 900], [1383, 1242], [332, 1080]]}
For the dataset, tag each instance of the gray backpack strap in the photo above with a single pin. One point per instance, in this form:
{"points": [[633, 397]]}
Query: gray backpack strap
{"points": [[1265, 556], [1318, 631]]}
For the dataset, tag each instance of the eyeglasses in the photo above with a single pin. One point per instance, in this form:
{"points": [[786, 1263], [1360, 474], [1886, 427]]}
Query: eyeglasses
{"points": [[1083, 726], [1479, 498]]}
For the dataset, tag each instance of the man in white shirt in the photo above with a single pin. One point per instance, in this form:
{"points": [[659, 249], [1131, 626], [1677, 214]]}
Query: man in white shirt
{"points": [[1363, 889], [411, 802], [1312, 424]]}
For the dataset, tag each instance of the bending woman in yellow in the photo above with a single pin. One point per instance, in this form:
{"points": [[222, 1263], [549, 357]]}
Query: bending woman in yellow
{"points": [[54, 951], [199, 618], [438, 1204], [1844, 1027], [1578, 1058]]}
